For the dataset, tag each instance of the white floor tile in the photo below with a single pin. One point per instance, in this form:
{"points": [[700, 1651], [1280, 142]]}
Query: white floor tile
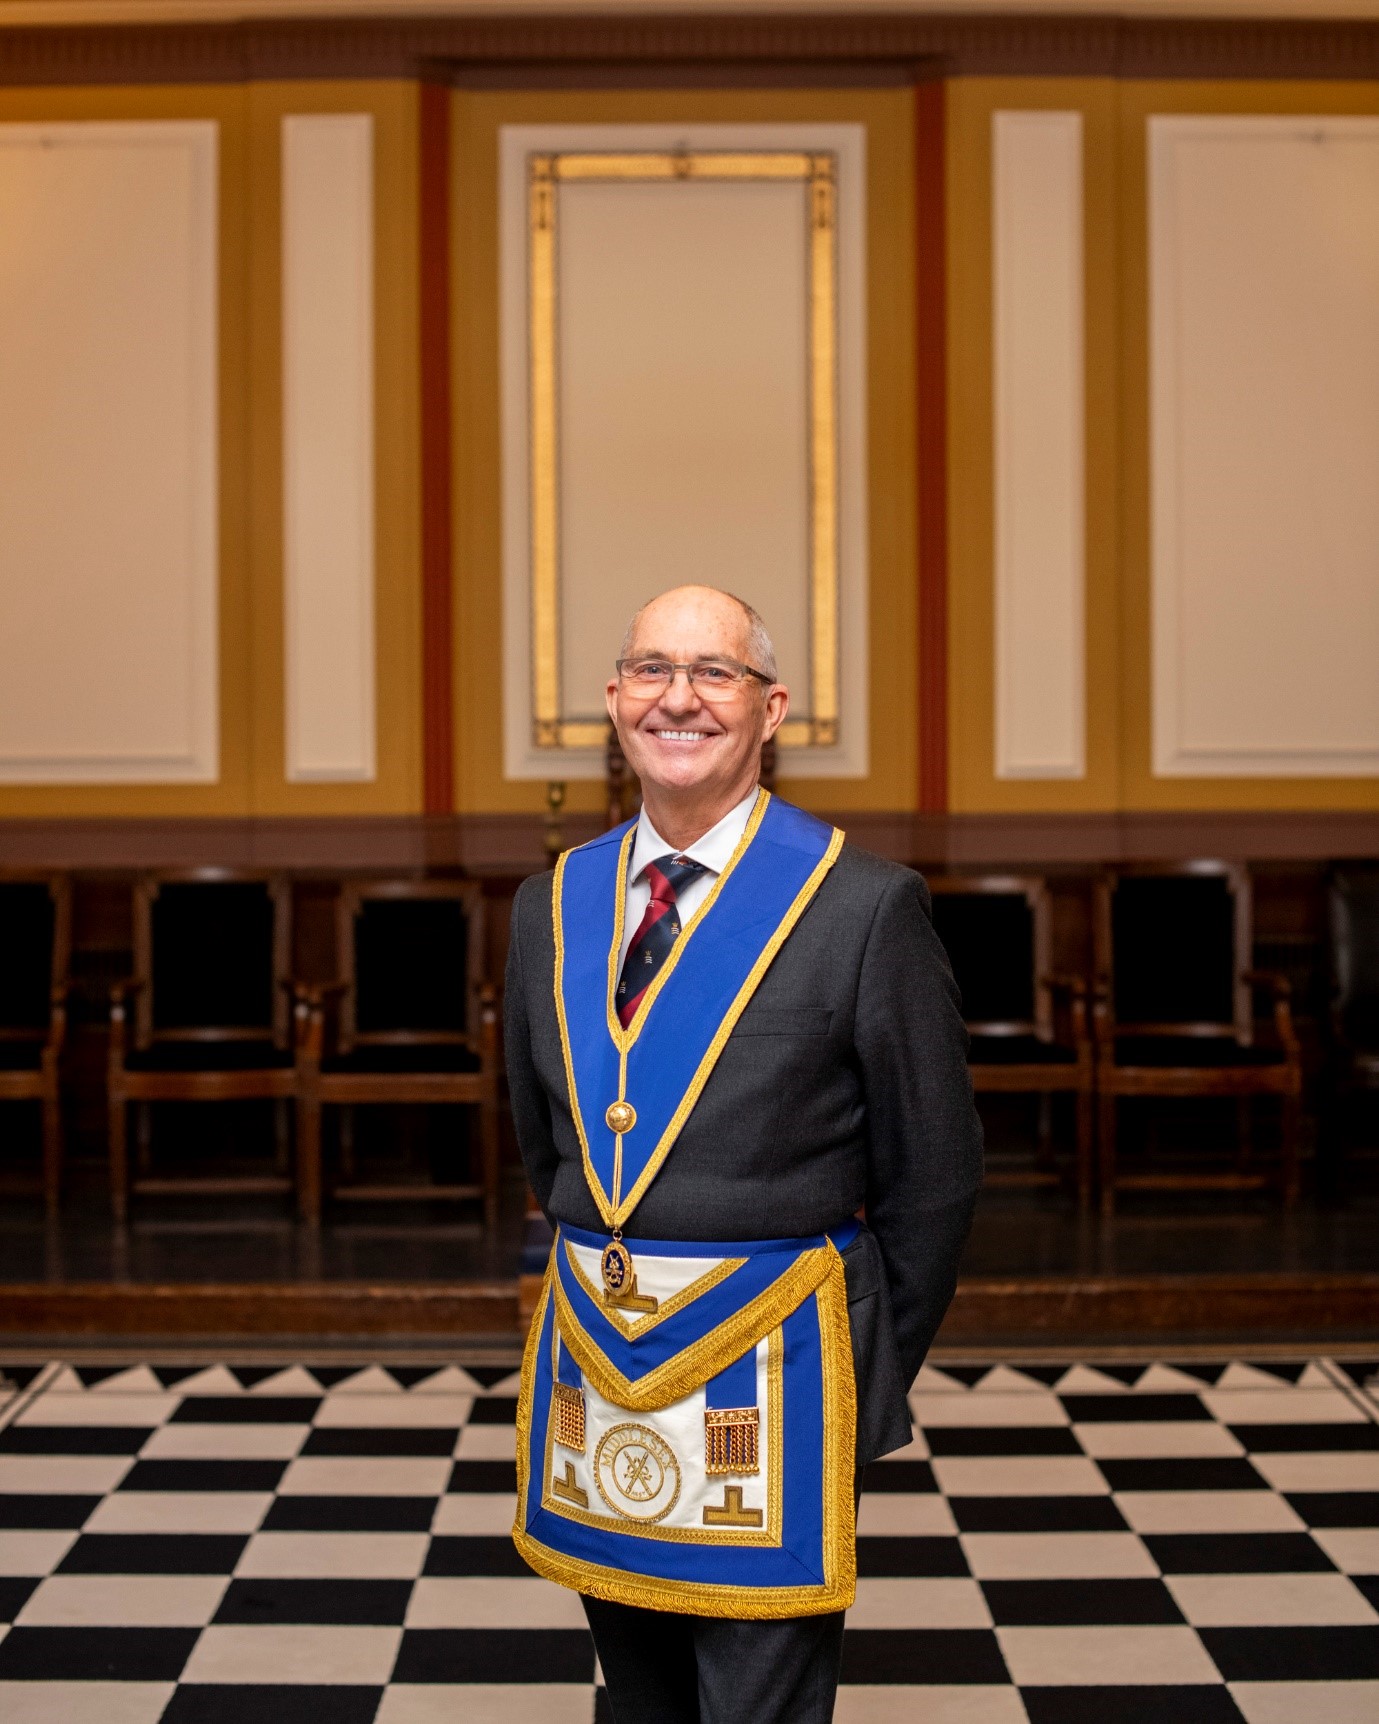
{"points": [[1038, 1657], [62, 1475], [489, 1702], [366, 1476], [931, 1380], [979, 1410], [181, 1511], [93, 1409], [368, 1380], [1327, 1470], [919, 1602], [83, 1702], [1282, 1407], [487, 1443], [299, 1652], [295, 1380], [214, 1380], [480, 1514], [415, 1412], [124, 1601], [895, 1703], [1187, 1439], [1289, 1702], [1019, 1476], [225, 1442], [1207, 1511], [24, 1552], [904, 1514], [1087, 1380], [492, 1601], [1006, 1380], [1354, 1549], [335, 1555], [1057, 1555], [1269, 1600]]}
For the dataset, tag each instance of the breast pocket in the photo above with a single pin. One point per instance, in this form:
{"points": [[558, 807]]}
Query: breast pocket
{"points": [[785, 1021]]}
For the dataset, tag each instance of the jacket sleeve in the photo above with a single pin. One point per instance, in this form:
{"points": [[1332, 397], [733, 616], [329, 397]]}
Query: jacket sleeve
{"points": [[531, 1112], [924, 1136]]}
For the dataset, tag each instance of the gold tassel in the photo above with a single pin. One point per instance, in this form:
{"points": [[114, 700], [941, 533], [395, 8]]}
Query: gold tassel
{"points": [[730, 1440], [569, 1417]]}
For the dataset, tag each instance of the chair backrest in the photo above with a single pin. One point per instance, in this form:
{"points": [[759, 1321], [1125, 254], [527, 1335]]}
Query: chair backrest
{"points": [[35, 946], [1174, 941], [212, 948], [1353, 926], [412, 955], [997, 931]]}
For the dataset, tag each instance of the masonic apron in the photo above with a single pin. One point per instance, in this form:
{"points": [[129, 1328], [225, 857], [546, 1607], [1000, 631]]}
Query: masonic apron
{"points": [[685, 1432]]}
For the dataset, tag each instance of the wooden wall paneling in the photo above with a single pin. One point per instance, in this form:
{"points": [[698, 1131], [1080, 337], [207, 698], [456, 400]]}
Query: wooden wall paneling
{"points": [[225, 109], [975, 787], [1142, 790], [437, 542], [396, 787], [931, 429]]}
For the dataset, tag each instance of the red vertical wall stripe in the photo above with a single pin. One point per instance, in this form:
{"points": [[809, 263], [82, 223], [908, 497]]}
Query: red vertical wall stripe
{"points": [[932, 427], [438, 721]]}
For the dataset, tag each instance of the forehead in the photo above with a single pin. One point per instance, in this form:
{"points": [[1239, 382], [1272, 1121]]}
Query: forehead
{"points": [[691, 622]]}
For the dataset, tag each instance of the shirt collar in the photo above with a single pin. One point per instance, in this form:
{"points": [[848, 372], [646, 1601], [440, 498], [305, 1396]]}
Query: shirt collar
{"points": [[714, 849]]}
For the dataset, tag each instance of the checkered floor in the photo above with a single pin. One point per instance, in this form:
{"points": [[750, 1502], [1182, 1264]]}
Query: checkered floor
{"points": [[1063, 1544]]}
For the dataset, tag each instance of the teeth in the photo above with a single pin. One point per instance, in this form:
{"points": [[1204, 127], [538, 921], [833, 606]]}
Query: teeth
{"points": [[682, 735]]}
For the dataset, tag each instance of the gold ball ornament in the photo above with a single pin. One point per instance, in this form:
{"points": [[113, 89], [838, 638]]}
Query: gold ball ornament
{"points": [[621, 1117]]}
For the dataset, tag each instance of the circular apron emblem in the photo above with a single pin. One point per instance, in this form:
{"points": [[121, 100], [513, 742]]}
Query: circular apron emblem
{"points": [[637, 1472], [617, 1267]]}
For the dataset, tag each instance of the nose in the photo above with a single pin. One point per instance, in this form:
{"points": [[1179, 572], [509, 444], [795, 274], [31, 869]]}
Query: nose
{"points": [[680, 695]]}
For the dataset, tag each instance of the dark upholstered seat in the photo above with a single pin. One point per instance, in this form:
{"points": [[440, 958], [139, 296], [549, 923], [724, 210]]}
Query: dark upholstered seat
{"points": [[35, 943]]}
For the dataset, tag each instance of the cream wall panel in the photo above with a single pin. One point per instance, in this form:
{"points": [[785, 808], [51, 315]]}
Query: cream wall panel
{"points": [[328, 447], [1264, 374], [108, 453], [683, 403], [1039, 445]]}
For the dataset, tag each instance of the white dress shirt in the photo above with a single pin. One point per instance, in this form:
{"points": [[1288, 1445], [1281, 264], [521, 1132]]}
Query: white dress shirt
{"points": [[714, 850]]}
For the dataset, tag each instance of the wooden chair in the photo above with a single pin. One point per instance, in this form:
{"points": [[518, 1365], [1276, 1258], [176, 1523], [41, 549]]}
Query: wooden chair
{"points": [[411, 1020], [1174, 1015], [1353, 1012], [35, 951], [1028, 1026], [212, 1017]]}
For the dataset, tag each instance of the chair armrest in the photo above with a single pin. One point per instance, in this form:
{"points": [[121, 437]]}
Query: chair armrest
{"points": [[310, 1002], [120, 995], [1074, 989], [1270, 981]]}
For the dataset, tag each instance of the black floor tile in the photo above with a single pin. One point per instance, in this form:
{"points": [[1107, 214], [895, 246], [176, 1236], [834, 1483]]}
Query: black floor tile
{"points": [[923, 1655], [909, 1556], [483, 1476], [1369, 1585], [1171, 1473], [345, 1602], [458, 1556], [245, 1410], [381, 1440], [494, 1409], [487, 1375], [1237, 1553], [1037, 1514], [74, 1439], [232, 1703], [196, 1475], [18, 1376], [95, 1654], [153, 1553], [350, 1514], [1188, 1704], [1306, 1439], [1055, 1603], [14, 1594], [890, 1476], [1132, 1409], [1292, 1654], [495, 1655], [44, 1513], [1001, 1440], [1336, 1508]]}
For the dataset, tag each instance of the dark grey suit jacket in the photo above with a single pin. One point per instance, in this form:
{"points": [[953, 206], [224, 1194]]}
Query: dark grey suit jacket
{"points": [[844, 1084]]}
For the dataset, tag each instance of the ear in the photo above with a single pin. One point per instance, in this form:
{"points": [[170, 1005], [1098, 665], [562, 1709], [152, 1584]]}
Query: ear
{"points": [[777, 705], [610, 696]]}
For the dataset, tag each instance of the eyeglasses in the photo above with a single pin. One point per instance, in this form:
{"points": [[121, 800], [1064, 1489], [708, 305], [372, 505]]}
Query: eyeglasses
{"points": [[710, 678]]}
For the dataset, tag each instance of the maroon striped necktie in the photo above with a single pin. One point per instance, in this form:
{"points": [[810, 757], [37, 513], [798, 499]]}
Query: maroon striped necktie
{"points": [[657, 933]]}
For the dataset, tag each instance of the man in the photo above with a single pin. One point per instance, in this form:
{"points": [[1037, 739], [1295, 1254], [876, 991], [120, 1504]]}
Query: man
{"points": [[729, 1032]]}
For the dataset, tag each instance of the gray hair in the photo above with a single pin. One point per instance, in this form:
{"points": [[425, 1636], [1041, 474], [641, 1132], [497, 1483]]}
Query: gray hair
{"points": [[761, 655]]}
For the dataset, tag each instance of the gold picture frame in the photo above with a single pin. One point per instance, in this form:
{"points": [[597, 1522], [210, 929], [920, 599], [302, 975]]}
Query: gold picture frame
{"points": [[817, 174]]}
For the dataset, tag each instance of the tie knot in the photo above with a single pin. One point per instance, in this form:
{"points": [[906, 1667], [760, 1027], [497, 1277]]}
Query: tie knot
{"points": [[667, 874]]}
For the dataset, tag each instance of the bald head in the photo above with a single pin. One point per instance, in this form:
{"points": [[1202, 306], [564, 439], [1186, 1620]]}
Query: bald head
{"points": [[704, 605]]}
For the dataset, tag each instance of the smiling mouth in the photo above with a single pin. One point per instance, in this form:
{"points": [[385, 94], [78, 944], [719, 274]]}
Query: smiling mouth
{"points": [[684, 735]]}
